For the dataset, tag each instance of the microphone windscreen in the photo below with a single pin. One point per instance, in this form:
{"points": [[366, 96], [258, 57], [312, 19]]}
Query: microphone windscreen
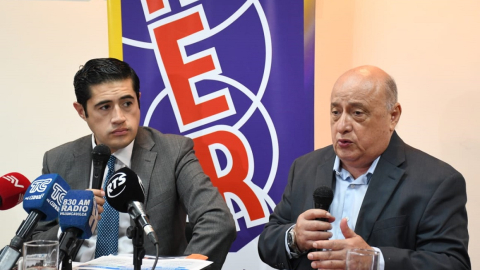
{"points": [[123, 187], [12, 189], [101, 153], [79, 210], [45, 194], [323, 197]]}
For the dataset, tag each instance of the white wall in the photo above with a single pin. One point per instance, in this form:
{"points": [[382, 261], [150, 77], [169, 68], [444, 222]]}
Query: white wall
{"points": [[42, 44], [431, 48]]}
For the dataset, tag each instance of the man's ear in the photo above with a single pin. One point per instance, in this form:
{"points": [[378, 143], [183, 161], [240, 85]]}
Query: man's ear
{"points": [[395, 115], [79, 108]]}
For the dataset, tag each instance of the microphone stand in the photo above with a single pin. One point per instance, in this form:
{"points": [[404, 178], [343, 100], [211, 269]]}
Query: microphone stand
{"points": [[11, 253], [67, 263], [136, 234]]}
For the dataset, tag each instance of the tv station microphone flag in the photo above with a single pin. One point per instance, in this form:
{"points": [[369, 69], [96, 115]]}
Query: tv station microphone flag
{"points": [[237, 77]]}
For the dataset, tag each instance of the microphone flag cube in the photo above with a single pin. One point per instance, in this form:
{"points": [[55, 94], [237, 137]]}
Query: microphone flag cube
{"points": [[79, 210], [45, 194]]}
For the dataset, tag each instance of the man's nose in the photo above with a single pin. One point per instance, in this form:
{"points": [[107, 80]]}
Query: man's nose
{"points": [[344, 124], [118, 115]]}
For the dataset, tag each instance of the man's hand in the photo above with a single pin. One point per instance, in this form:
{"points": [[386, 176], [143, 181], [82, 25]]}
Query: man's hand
{"points": [[335, 251], [99, 199], [308, 229]]}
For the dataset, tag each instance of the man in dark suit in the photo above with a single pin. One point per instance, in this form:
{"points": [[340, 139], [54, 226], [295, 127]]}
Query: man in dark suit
{"points": [[108, 95], [388, 196]]}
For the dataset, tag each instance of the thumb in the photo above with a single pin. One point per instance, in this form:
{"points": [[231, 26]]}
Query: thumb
{"points": [[346, 231]]}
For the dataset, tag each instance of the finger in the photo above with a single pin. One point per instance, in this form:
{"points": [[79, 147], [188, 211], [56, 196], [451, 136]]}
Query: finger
{"points": [[320, 255], [306, 240], [346, 231], [99, 200], [330, 264], [312, 226], [98, 192], [330, 244], [313, 214]]}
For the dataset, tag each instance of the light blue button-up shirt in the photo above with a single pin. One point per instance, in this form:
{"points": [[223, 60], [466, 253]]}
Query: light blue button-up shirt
{"points": [[348, 198]]}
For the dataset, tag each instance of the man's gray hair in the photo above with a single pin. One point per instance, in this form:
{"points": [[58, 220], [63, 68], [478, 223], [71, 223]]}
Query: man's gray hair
{"points": [[391, 92]]}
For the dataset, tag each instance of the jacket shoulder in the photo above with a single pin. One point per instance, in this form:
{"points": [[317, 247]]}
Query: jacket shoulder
{"points": [[318, 155]]}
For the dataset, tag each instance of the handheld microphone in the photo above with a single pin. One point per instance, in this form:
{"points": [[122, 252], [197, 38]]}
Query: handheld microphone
{"points": [[323, 197], [100, 155], [42, 202], [78, 219], [125, 193], [12, 189]]}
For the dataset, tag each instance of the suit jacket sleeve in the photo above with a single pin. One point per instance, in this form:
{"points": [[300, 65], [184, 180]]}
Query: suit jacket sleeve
{"points": [[213, 226], [442, 235], [271, 244], [46, 230]]}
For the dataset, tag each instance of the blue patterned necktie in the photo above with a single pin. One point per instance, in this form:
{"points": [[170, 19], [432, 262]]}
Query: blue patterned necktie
{"points": [[107, 229]]}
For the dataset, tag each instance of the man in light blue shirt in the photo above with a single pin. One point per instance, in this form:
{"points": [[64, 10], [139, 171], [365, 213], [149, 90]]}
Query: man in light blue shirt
{"points": [[388, 196]]}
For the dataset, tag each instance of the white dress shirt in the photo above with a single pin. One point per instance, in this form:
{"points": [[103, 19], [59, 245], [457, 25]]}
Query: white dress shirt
{"points": [[87, 250]]}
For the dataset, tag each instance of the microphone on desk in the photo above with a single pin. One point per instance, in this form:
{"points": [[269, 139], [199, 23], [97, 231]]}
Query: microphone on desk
{"points": [[42, 202], [100, 155], [78, 220], [125, 193], [323, 197], [12, 189]]}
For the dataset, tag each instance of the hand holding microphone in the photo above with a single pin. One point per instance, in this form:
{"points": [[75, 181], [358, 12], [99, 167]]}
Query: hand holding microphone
{"points": [[307, 228]]}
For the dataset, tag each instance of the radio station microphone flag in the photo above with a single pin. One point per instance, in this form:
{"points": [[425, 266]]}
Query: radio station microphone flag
{"points": [[12, 189], [78, 219]]}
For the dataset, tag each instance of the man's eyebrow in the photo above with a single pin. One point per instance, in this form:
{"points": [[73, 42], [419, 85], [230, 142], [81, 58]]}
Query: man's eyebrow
{"points": [[356, 104], [127, 97], [103, 102]]}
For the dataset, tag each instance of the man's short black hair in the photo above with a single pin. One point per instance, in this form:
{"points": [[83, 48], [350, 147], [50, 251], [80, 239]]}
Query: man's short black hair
{"points": [[102, 70]]}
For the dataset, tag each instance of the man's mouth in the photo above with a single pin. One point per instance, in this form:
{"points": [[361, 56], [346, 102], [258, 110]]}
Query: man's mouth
{"points": [[120, 131], [344, 142]]}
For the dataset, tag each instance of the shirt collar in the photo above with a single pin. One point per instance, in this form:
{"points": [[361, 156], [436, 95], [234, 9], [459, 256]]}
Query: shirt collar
{"points": [[346, 176], [124, 155]]}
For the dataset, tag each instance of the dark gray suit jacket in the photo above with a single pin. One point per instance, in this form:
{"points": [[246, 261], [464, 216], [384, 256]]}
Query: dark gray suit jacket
{"points": [[414, 210], [174, 186]]}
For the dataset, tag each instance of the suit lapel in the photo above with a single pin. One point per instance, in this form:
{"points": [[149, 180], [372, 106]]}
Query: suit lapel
{"points": [[143, 159], [385, 179], [79, 174], [324, 173]]}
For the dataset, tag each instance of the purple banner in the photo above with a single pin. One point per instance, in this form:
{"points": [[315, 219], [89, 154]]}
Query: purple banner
{"points": [[233, 76]]}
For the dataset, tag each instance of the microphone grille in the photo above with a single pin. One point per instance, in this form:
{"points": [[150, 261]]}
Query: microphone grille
{"points": [[101, 152], [323, 195]]}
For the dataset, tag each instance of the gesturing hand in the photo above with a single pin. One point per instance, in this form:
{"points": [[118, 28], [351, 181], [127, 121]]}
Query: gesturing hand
{"points": [[334, 252]]}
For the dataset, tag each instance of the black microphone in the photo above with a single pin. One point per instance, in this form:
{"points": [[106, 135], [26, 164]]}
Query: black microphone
{"points": [[323, 197], [100, 155], [125, 193]]}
